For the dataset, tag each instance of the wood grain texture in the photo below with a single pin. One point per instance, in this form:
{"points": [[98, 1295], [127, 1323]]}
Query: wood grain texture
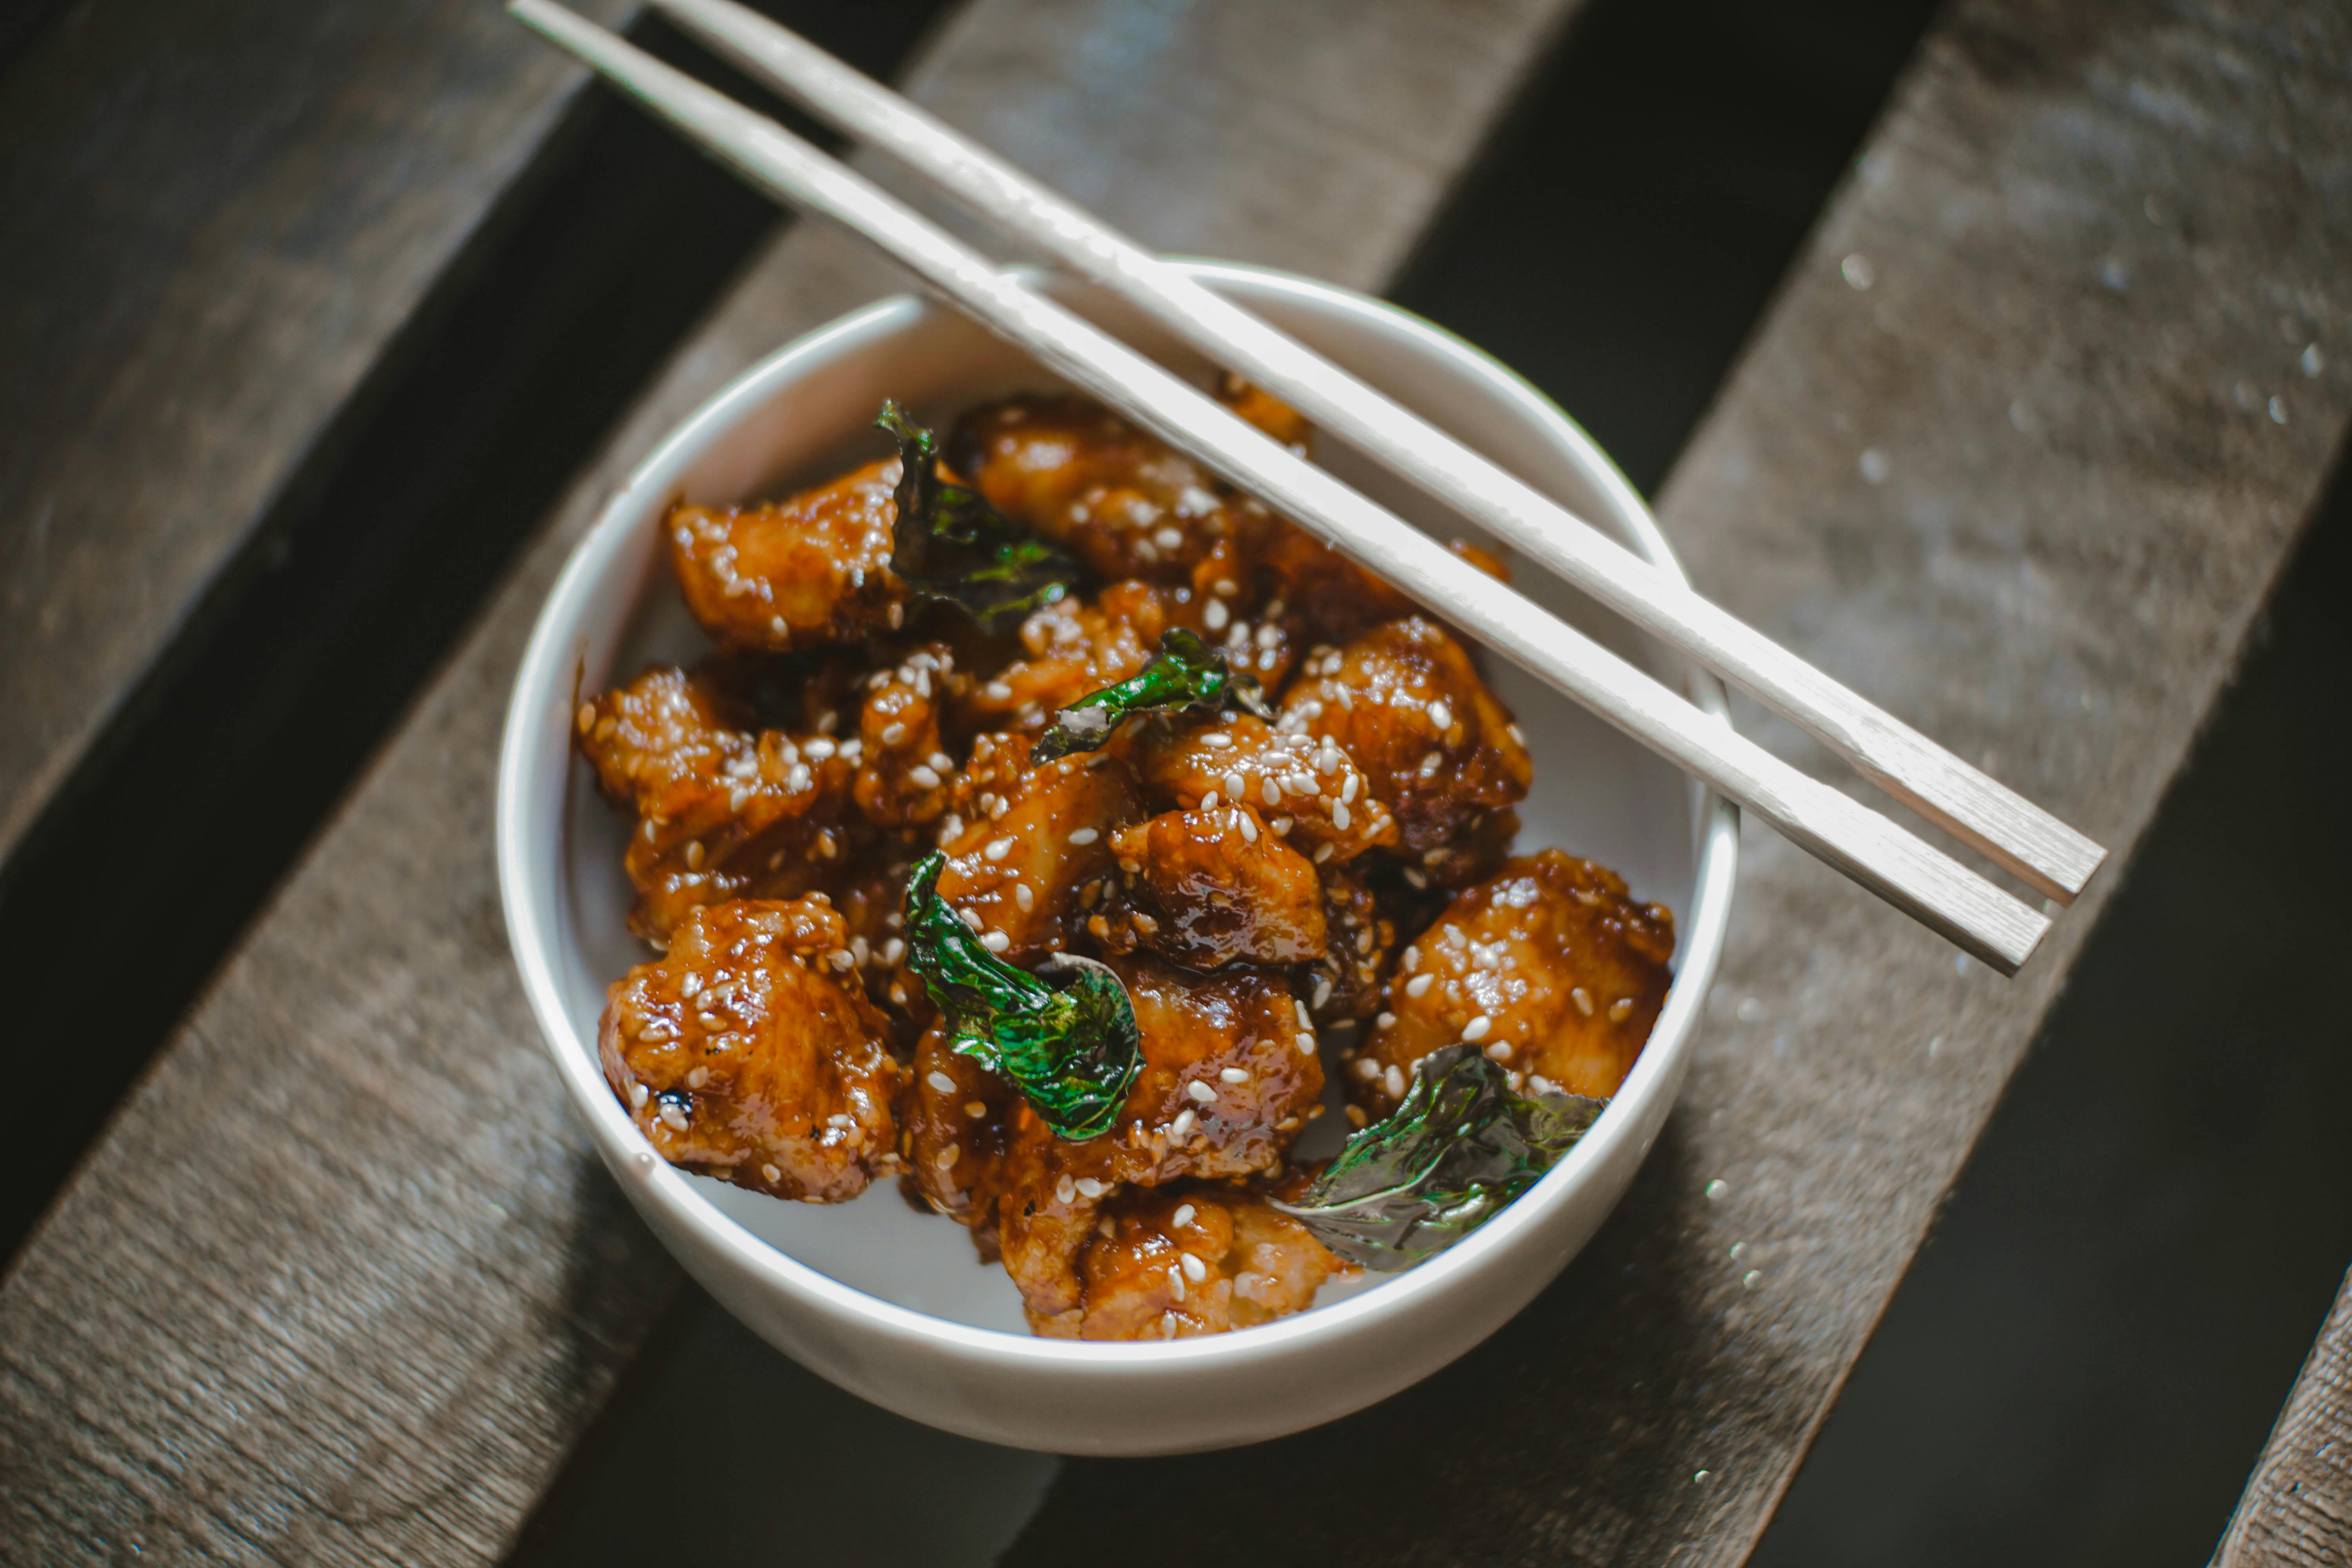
{"points": [[2297, 1508], [2027, 488], [203, 248], [343, 1283]]}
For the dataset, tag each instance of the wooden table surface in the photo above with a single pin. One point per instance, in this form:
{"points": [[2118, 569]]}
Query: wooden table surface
{"points": [[2017, 450]]}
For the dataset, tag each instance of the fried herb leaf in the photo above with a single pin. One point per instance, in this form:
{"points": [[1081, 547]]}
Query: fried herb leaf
{"points": [[1065, 1036], [1462, 1144], [1185, 673], [948, 543]]}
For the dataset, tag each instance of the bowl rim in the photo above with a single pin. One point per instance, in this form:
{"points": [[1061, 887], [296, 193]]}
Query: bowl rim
{"points": [[545, 669]]}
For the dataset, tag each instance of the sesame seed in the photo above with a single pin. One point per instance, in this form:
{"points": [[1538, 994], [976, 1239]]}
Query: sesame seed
{"points": [[995, 941], [1583, 1000], [1182, 1128], [923, 776], [1500, 1050], [974, 1109], [1088, 1187], [1270, 791], [1477, 1028], [1200, 1091], [841, 958], [672, 1117], [1194, 1270], [1169, 539], [940, 1081], [799, 779], [998, 848], [638, 1095], [1305, 1043], [1393, 1081], [942, 762], [1322, 989], [772, 1174], [970, 918], [1366, 1067], [1209, 801], [997, 806], [818, 747], [1440, 714], [1065, 1191], [1516, 733], [1182, 1217], [1175, 1288], [1383, 1020], [694, 853], [893, 950], [1419, 984], [997, 691], [1024, 896], [946, 1158], [1620, 1008], [1145, 923], [1234, 1075], [1323, 852], [1414, 878], [1216, 617], [1084, 835], [897, 616], [1249, 823], [892, 734], [1340, 817]]}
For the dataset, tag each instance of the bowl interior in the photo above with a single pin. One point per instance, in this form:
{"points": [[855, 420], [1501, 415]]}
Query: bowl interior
{"points": [[807, 414]]}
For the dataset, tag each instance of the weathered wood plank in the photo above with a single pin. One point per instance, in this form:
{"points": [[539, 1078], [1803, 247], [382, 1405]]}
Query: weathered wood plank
{"points": [[203, 249], [343, 1283], [2015, 471], [2297, 1509]]}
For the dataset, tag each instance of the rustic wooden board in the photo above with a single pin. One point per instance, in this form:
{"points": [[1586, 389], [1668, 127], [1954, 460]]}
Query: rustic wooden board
{"points": [[181, 230], [2014, 469], [2297, 1509], [343, 1283]]}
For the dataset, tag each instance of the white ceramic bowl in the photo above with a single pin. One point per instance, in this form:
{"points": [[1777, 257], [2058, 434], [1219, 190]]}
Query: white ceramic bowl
{"points": [[893, 1304]]}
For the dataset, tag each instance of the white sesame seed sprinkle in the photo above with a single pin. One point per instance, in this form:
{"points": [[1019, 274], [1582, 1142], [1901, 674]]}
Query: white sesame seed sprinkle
{"points": [[1234, 1075], [892, 734], [1340, 816], [1194, 1270], [1083, 835], [923, 776], [1088, 1187], [1477, 1028], [946, 1158], [1583, 1000], [995, 941], [1305, 1043], [1419, 984], [1182, 1217], [1383, 1020], [1175, 1286], [940, 1081], [1182, 1128], [1270, 791], [1500, 1050], [1209, 801], [1619, 1009], [1393, 1081], [998, 848], [1065, 1191], [1249, 823], [1200, 1091], [1024, 896]]}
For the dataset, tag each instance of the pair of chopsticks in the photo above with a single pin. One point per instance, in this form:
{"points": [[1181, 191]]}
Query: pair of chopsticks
{"points": [[1921, 881]]}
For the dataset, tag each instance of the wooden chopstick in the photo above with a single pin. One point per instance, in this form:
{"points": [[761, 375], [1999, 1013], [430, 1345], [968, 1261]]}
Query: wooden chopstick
{"points": [[1980, 811], [1908, 873]]}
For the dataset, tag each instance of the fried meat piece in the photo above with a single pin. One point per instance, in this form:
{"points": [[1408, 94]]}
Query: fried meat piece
{"points": [[1214, 887], [1230, 1075], [1021, 869], [1549, 965], [1436, 747], [1123, 502], [902, 773], [953, 1117], [1359, 950], [721, 813], [1286, 778], [749, 1053], [1175, 1262], [803, 572], [1074, 647]]}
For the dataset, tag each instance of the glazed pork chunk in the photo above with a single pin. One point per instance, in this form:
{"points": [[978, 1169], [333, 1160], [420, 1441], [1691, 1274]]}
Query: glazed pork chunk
{"points": [[1073, 647], [750, 1052], [1019, 869], [800, 573], [1230, 1075], [1214, 887], [1549, 966], [1121, 500], [722, 812], [1436, 748], [1301, 786], [1174, 1262]]}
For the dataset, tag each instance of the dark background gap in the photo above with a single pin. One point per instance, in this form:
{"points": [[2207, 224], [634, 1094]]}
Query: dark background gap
{"points": [[1615, 244], [202, 790]]}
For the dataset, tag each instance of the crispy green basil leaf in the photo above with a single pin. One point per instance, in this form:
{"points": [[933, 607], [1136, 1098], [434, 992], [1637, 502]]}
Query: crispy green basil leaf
{"points": [[1185, 673], [1065, 1036], [948, 543], [1441, 1164]]}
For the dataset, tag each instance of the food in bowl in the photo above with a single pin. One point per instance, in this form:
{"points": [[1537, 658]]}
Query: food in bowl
{"points": [[1056, 831]]}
